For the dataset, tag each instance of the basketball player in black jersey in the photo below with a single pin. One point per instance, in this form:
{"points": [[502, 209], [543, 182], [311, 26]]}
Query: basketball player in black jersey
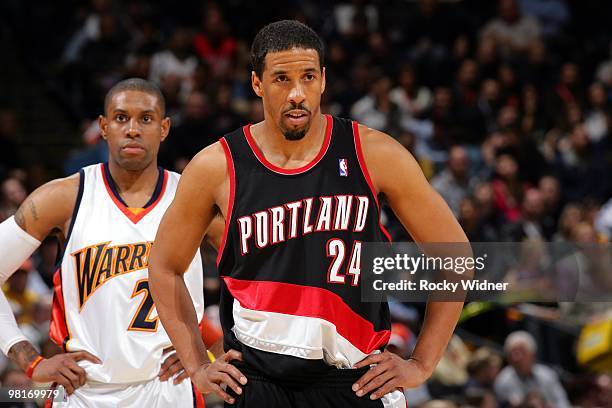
{"points": [[299, 193]]}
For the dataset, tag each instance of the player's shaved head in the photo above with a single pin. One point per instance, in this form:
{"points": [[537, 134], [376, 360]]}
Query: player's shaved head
{"points": [[281, 36], [136, 84]]}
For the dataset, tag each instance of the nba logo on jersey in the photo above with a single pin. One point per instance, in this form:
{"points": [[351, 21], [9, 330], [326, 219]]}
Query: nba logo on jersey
{"points": [[343, 167]]}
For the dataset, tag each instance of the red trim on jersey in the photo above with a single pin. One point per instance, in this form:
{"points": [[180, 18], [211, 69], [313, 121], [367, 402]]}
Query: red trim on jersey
{"points": [[125, 210], [230, 201], [276, 169], [58, 329], [49, 399], [366, 174], [308, 301], [199, 398]]}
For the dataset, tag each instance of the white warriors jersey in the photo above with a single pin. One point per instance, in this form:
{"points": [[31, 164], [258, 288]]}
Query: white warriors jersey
{"points": [[102, 303]]}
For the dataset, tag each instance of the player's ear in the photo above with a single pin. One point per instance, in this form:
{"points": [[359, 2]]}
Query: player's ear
{"points": [[165, 125], [323, 81], [103, 124], [256, 84]]}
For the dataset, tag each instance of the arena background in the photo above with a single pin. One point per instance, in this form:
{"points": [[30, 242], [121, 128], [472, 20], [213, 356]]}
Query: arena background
{"points": [[506, 105]]}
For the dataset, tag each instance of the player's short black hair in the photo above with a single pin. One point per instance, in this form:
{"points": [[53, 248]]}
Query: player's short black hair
{"points": [[280, 36], [136, 84]]}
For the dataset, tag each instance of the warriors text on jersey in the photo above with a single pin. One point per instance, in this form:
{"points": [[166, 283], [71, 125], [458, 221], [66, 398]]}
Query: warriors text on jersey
{"points": [[102, 302], [291, 257]]}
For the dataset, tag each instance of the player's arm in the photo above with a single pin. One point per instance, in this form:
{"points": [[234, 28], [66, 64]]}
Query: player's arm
{"points": [[47, 210], [214, 233], [203, 185], [425, 215]]}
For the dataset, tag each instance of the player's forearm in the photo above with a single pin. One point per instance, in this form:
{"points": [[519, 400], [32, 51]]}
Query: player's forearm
{"points": [[177, 314], [217, 348], [438, 327], [22, 354]]}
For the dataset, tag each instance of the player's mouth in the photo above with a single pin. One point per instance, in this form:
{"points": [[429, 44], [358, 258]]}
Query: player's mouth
{"points": [[297, 117], [133, 148]]}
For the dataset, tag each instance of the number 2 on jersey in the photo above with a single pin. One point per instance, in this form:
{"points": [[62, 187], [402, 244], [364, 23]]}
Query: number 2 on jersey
{"points": [[336, 249], [142, 320]]}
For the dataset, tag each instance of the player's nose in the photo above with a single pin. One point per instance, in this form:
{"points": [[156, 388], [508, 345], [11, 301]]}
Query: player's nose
{"points": [[297, 94], [133, 128]]}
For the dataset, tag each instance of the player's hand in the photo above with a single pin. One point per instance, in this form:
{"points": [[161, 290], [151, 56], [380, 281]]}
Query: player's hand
{"points": [[171, 366], [391, 372], [64, 370], [212, 376]]}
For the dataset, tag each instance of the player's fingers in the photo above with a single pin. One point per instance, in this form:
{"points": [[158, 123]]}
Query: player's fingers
{"points": [[219, 391], [69, 380], [375, 383], [181, 377], [385, 389], [223, 378], [234, 372], [74, 367], [84, 355], [368, 376], [172, 369], [167, 363], [372, 359], [232, 355]]}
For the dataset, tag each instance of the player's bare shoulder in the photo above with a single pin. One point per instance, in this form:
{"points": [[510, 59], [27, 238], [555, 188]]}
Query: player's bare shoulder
{"points": [[210, 161], [206, 175], [49, 207], [386, 159]]}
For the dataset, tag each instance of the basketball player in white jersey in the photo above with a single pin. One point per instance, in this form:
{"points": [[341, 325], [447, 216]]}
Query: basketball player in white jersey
{"points": [[106, 218]]}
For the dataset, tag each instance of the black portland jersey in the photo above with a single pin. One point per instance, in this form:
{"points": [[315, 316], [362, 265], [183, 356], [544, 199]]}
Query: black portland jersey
{"points": [[290, 260]]}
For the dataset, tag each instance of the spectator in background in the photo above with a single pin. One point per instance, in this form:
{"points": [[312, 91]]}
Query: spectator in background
{"points": [[603, 221], [89, 31], [523, 375], [568, 91], [13, 194], [376, 109], [530, 225], [511, 31], [507, 187], [597, 117], [487, 57], [454, 182], [21, 298], [412, 98], [191, 132], [94, 151], [177, 60], [551, 195], [534, 122], [571, 215], [46, 260], [552, 14], [581, 167], [9, 153], [604, 70], [537, 69], [475, 227], [489, 102], [214, 44], [483, 368]]}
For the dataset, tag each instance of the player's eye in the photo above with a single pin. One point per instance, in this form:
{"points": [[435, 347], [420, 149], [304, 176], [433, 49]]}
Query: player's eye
{"points": [[309, 77], [121, 117], [282, 78], [147, 119]]}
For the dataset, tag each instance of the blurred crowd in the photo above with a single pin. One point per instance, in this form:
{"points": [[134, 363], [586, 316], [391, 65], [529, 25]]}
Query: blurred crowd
{"points": [[505, 104]]}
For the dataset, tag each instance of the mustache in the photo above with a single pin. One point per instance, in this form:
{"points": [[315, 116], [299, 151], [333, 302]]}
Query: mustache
{"points": [[297, 106]]}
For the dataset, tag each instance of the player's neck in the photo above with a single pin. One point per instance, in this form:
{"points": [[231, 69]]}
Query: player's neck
{"points": [[134, 187], [280, 151]]}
